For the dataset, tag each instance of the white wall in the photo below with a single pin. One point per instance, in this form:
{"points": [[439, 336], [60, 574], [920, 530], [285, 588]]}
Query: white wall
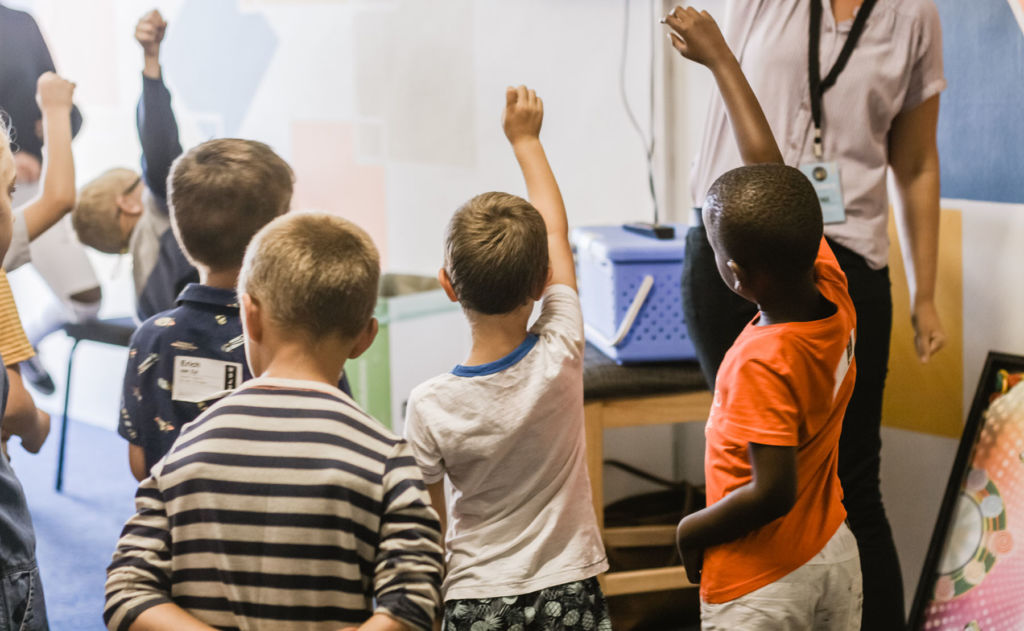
{"points": [[388, 109]]}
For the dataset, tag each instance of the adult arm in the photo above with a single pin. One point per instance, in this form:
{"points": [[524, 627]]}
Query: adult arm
{"points": [[769, 495], [522, 118], [158, 129], [22, 34], [914, 159], [697, 37]]}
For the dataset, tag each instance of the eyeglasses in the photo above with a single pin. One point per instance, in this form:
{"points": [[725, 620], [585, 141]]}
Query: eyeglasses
{"points": [[117, 216], [135, 184]]}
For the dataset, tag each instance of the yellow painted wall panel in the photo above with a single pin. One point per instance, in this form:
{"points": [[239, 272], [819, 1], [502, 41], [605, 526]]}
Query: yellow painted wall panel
{"points": [[928, 397]]}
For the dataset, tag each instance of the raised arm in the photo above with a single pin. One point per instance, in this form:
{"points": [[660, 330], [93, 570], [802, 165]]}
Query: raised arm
{"points": [[158, 129], [57, 196], [697, 37], [524, 113]]}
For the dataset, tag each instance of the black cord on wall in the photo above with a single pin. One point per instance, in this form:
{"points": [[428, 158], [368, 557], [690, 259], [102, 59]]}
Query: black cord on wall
{"points": [[647, 140]]}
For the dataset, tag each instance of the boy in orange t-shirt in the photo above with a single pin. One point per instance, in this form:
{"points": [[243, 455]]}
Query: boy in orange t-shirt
{"points": [[775, 549]]}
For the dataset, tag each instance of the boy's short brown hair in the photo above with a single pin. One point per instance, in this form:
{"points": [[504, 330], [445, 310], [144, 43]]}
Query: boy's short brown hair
{"points": [[496, 253], [313, 272], [95, 215], [220, 193]]}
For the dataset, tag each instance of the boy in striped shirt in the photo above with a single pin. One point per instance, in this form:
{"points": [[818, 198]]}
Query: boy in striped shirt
{"points": [[285, 506]]}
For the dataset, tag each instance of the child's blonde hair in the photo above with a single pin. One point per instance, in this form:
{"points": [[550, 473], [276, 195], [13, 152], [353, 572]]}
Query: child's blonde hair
{"points": [[313, 272], [496, 253], [95, 215]]}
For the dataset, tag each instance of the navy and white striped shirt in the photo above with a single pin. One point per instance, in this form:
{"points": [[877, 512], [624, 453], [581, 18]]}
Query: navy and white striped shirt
{"points": [[284, 506]]}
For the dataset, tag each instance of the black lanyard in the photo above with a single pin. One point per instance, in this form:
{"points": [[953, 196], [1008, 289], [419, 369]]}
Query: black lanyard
{"points": [[819, 85]]}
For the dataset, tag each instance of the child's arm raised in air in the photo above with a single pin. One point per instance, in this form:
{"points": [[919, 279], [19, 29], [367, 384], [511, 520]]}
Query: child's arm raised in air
{"points": [[524, 113], [158, 129], [696, 36], [57, 196]]}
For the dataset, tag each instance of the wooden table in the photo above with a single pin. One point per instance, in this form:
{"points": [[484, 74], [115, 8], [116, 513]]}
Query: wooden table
{"points": [[635, 396]]}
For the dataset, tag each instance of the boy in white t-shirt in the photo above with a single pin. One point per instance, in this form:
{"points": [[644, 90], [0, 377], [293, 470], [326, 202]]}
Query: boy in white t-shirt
{"points": [[522, 546]]}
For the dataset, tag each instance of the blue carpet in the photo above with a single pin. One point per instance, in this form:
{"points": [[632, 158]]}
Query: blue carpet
{"points": [[76, 531]]}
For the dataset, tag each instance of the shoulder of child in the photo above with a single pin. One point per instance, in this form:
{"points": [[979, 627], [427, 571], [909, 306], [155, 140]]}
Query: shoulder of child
{"points": [[561, 315]]}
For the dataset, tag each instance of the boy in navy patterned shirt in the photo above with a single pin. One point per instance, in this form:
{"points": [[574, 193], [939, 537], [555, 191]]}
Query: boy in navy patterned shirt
{"points": [[220, 194]]}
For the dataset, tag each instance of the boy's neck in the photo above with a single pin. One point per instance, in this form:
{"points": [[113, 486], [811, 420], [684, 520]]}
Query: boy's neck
{"points": [[495, 336], [296, 357], [221, 278], [798, 301]]}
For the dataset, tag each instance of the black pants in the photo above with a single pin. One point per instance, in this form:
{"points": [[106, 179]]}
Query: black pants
{"points": [[715, 316]]}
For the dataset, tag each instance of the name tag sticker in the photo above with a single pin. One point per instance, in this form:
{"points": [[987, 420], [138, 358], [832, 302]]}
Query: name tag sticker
{"points": [[197, 379], [825, 178]]}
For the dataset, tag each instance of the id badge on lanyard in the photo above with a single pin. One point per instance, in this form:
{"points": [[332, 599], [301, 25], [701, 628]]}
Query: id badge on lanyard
{"points": [[825, 178], [824, 175]]}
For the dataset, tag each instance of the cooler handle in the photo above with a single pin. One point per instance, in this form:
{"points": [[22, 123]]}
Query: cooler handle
{"points": [[631, 314]]}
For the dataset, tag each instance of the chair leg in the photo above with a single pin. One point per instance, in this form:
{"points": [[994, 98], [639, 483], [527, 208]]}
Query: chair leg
{"points": [[64, 421]]}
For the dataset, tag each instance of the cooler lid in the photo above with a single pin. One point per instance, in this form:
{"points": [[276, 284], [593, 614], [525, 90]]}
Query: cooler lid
{"points": [[615, 243]]}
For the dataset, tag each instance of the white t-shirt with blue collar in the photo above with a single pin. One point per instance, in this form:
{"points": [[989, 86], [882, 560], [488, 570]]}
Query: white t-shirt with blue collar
{"points": [[509, 435]]}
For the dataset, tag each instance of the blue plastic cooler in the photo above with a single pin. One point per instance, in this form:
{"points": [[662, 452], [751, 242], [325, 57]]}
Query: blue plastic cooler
{"points": [[630, 291]]}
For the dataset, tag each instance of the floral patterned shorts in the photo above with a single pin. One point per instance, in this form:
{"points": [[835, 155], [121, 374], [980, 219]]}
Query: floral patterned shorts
{"points": [[577, 606]]}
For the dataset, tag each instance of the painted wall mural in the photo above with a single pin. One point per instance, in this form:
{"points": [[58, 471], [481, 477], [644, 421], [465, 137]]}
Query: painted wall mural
{"points": [[981, 130]]}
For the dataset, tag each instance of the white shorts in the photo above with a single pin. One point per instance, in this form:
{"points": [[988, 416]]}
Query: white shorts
{"points": [[825, 593]]}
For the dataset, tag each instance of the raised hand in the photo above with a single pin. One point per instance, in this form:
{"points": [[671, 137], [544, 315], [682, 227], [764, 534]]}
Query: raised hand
{"points": [[53, 92], [149, 32], [696, 36], [523, 115]]}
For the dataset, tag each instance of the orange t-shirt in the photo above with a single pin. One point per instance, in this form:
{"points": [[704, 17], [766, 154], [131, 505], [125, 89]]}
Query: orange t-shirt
{"points": [[786, 385]]}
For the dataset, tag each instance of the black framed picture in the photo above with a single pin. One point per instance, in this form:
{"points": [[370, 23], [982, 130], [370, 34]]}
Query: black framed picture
{"points": [[973, 575]]}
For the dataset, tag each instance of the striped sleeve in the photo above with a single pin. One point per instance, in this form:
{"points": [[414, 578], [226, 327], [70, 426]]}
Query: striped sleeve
{"points": [[14, 345], [410, 559], [138, 577]]}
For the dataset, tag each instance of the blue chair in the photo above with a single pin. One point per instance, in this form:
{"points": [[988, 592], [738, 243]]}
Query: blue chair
{"points": [[112, 331]]}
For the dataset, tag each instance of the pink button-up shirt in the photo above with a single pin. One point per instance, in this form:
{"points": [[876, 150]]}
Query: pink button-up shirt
{"points": [[896, 66]]}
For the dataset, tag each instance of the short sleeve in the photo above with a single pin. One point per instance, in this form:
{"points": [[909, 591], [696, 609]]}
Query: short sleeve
{"points": [[927, 77], [18, 253], [827, 267], [131, 397], [141, 385], [760, 407], [14, 344], [561, 318], [421, 441]]}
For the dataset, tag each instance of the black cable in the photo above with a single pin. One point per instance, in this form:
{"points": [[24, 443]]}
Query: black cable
{"points": [[648, 143]]}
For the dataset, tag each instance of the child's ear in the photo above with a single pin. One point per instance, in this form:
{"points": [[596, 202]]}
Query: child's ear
{"points": [[740, 279], [446, 284], [130, 205], [252, 323], [365, 339]]}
